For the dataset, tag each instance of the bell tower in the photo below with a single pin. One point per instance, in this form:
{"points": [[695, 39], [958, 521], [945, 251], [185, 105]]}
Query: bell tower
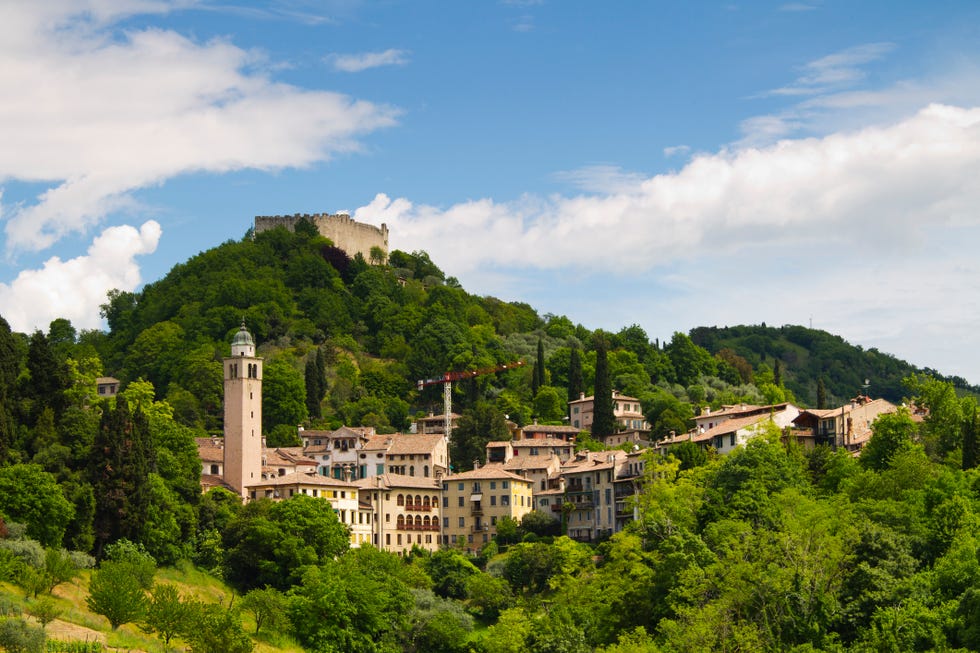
{"points": [[243, 414]]}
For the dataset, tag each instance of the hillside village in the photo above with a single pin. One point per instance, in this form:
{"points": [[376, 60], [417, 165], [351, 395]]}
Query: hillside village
{"points": [[273, 422]]}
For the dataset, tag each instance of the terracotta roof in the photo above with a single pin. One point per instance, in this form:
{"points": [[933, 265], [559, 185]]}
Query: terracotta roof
{"points": [[728, 411], [391, 481], [411, 443], [593, 461], [488, 471], [209, 481], [540, 442], [551, 492], [437, 418], [300, 478], [498, 443], [530, 462], [208, 451], [550, 428]]}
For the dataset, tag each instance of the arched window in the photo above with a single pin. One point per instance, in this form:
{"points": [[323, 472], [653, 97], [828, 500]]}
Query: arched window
{"points": [[214, 469], [425, 502], [401, 522], [418, 522], [425, 471], [401, 500], [411, 470]]}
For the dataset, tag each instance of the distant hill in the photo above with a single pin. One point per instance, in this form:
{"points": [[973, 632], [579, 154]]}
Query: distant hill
{"points": [[807, 355]]}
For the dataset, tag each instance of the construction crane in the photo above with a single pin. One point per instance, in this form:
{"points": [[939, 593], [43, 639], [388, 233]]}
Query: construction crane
{"points": [[447, 388]]}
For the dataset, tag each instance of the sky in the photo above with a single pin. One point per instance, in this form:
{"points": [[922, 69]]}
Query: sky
{"points": [[670, 164]]}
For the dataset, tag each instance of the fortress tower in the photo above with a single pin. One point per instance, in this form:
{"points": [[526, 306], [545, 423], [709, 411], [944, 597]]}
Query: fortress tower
{"points": [[243, 414]]}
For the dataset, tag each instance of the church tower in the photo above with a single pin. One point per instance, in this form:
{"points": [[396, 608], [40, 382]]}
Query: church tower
{"points": [[243, 414]]}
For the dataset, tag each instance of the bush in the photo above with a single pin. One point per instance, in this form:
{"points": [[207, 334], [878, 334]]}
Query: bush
{"points": [[17, 636]]}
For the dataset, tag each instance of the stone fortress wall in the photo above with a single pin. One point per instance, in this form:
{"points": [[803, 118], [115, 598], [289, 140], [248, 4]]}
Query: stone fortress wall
{"points": [[346, 233]]}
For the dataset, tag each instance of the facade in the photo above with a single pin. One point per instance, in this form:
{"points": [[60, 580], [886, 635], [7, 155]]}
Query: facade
{"points": [[405, 511], [543, 447], [848, 426], [474, 501], [426, 456], [548, 431], [738, 427], [626, 411], [342, 495], [590, 489], [435, 424], [346, 233], [242, 463], [107, 386]]}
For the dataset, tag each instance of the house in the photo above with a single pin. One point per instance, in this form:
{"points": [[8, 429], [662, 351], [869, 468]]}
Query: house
{"points": [[342, 495], [412, 454], [406, 511], [626, 411], [548, 431], [432, 424], [107, 386], [474, 501], [737, 427], [337, 451], [590, 489], [848, 426], [626, 487], [543, 447]]}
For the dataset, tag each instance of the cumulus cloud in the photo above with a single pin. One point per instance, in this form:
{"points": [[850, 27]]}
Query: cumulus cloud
{"points": [[73, 289], [355, 63], [878, 186], [97, 114]]}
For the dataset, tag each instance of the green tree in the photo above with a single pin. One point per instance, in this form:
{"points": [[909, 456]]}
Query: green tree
{"points": [[116, 594], [576, 384], [312, 386], [891, 433], [166, 615], [436, 625], [821, 394], [971, 446], [122, 458], [268, 607], [31, 496], [477, 426], [17, 636], [283, 395], [548, 404], [45, 609], [217, 629], [603, 418], [450, 571]]}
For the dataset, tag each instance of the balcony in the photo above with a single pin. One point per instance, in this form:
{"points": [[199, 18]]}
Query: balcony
{"points": [[585, 504], [556, 507], [418, 507]]}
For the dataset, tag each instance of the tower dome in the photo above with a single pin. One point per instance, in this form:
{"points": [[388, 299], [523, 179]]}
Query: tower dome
{"points": [[243, 344]]}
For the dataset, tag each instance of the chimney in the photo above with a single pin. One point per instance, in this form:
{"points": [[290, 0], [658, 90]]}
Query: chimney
{"points": [[581, 395], [476, 463]]}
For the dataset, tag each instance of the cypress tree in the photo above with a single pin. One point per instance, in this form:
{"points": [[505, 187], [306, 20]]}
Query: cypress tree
{"points": [[777, 373], [970, 439], [821, 394], [321, 373], [534, 381], [121, 461], [539, 367], [312, 388], [603, 419], [575, 382]]}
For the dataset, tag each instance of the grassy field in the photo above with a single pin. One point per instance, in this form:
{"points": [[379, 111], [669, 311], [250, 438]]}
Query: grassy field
{"points": [[79, 624]]}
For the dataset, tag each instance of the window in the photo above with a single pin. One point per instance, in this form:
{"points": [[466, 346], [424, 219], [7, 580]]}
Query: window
{"points": [[462, 486], [505, 484], [493, 499], [445, 522], [445, 502], [575, 412], [462, 522], [460, 501], [505, 500], [401, 500], [493, 520]]}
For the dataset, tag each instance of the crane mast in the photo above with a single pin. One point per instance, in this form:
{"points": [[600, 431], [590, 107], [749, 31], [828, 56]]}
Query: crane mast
{"points": [[447, 390]]}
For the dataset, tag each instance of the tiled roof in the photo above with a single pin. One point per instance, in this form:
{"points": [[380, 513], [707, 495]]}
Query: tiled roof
{"points": [[437, 418], [412, 443], [594, 461], [530, 462], [488, 471], [299, 478], [392, 481], [208, 451], [551, 428], [498, 443], [540, 442]]}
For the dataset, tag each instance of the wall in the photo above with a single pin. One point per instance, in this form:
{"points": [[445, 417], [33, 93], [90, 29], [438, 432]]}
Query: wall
{"points": [[346, 233]]}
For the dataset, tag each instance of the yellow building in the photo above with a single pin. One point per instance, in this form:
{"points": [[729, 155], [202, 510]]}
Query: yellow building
{"points": [[405, 511], [473, 502], [342, 495]]}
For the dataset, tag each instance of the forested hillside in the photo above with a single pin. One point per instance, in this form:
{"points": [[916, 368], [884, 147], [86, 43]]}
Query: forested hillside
{"points": [[769, 548]]}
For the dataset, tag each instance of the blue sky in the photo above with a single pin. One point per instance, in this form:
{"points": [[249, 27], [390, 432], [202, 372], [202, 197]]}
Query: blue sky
{"points": [[669, 164]]}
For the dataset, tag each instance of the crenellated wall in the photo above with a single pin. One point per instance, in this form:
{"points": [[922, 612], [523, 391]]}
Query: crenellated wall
{"points": [[345, 232]]}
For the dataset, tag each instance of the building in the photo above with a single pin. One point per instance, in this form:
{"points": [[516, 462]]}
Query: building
{"points": [[242, 464], [343, 497], [346, 233], [626, 411], [107, 386], [435, 424], [405, 511], [590, 490], [474, 501], [548, 431], [848, 426], [410, 454], [737, 427]]}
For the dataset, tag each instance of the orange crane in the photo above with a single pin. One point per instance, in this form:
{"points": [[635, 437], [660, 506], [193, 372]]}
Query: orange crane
{"points": [[447, 384]]}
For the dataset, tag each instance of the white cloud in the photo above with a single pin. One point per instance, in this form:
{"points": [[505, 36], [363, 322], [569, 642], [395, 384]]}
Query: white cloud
{"points": [[74, 289], [355, 63], [836, 70], [676, 150], [98, 114]]}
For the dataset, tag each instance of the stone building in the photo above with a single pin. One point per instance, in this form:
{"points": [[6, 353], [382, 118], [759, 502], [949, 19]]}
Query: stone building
{"points": [[346, 233]]}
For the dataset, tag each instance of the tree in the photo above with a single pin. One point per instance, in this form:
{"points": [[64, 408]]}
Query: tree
{"points": [[217, 629], [312, 389], [17, 636], [477, 426], [539, 368], [45, 610], [970, 443], [268, 606], [436, 625], [548, 404], [283, 395], [116, 593], [450, 571], [122, 459], [821, 394], [603, 418], [31, 496], [891, 433], [166, 615], [576, 384]]}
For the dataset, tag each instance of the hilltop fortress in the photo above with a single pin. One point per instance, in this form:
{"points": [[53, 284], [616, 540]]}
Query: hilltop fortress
{"points": [[346, 233]]}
